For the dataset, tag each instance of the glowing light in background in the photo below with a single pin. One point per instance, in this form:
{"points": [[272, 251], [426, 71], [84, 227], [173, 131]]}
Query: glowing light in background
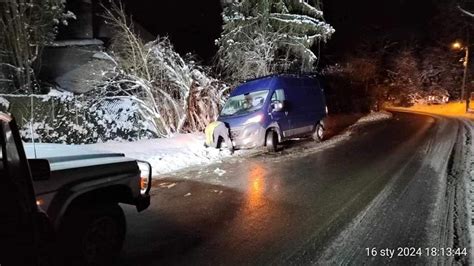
{"points": [[457, 45], [39, 202]]}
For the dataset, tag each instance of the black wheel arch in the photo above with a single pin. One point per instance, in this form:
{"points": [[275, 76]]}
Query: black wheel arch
{"points": [[276, 128], [65, 201]]}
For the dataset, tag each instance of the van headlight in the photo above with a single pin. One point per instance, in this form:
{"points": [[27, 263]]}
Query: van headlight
{"points": [[255, 119], [145, 177]]}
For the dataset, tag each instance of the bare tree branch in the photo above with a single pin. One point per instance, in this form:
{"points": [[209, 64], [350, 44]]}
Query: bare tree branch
{"points": [[465, 12]]}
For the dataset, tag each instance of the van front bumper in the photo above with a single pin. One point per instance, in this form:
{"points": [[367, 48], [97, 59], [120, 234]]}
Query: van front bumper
{"points": [[248, 136]]}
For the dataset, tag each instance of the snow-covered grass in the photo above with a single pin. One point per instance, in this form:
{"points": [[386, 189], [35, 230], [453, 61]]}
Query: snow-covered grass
{"points": [[180, 151]]}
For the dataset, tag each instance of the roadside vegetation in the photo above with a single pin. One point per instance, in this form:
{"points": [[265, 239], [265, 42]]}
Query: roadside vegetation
{"points": [[163, 92], [153, 91], [388, 69], [264, 37]]}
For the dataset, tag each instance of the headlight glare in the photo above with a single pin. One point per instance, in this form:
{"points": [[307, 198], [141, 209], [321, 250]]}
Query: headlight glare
{"points": [[256, 119], [145, 177]]}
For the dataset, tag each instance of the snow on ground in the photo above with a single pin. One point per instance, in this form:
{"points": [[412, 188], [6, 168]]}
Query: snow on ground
{"points": [[168, 155], [456, 109], [373, 117], [470, 186]]}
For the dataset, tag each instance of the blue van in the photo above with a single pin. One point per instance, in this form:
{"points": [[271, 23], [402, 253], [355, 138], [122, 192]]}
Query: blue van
{"points": [[272, 109]]}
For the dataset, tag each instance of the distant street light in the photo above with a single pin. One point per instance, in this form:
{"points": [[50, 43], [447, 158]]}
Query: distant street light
{"points": [[459, 46]]}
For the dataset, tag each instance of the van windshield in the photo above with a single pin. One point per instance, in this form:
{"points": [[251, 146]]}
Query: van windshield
{"points": [[245, 103]]}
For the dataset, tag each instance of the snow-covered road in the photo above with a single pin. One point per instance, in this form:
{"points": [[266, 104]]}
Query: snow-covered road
{"points": [[389, 185]]}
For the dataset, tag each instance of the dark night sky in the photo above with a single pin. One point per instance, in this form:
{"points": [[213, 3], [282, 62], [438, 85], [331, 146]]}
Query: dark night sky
{"points": [[367, 20], [193, 26]]}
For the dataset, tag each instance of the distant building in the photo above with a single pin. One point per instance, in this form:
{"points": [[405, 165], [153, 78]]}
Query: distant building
{"points": [[74, 61]]}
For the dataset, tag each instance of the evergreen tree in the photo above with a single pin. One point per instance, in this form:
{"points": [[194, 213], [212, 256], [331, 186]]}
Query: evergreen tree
{"points": [[264, 36]]}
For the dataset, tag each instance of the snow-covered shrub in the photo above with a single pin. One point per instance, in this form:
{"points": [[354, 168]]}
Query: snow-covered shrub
{"points": [[440, 68], [65, 118], [260, 37], [4, 104], [168, 110], [176, 91]]}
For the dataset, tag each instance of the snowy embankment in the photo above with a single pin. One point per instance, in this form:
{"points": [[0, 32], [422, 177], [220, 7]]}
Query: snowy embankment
{"points": [[167, 154], [186, 150], [469, 177], [452, 109], [373, 117]]}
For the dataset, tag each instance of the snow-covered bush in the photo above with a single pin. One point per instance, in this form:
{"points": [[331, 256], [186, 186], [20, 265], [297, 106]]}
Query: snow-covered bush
{"points": [[260, 37], [440, 68], [176, 91], [26, 26], [65, 118]]}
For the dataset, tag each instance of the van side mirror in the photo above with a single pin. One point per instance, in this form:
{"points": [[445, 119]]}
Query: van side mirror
{"points": [[40, 169], [277, 106]]}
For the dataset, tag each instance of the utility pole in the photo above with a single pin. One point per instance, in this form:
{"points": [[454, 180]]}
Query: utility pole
{"points": [[466, 92], [465, 64]]}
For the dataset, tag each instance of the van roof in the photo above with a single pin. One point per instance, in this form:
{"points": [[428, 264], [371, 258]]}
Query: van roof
{"points": [[265, 82], [253, 85]]}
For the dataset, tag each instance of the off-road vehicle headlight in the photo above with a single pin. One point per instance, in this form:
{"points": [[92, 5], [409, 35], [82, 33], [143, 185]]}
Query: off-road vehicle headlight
{"points": [[145, 177]]}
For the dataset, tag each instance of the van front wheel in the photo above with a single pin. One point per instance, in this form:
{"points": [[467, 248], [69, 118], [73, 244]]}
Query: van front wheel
{"points": [[271, 141]]}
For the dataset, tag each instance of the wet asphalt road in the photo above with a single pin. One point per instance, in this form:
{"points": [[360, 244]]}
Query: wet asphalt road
{"points": [[383, 187]]}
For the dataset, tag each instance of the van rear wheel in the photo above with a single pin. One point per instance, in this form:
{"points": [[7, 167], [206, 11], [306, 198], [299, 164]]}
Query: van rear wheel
{"points": [[271, 141], [319, 132]]}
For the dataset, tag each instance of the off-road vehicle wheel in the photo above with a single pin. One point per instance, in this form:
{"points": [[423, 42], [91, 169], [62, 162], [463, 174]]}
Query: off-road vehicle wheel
{"points": [[93, 236]]}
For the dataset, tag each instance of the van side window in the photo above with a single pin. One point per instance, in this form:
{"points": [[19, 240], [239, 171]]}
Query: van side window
{"points": [[278, 95]]}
